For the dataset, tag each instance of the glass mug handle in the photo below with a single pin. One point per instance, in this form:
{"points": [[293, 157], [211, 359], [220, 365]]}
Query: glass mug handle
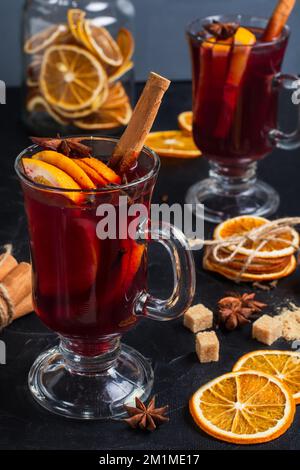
{"points": [[184, 274], [280, 139]]}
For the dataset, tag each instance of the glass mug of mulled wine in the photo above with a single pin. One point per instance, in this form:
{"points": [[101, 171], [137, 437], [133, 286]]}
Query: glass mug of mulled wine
{"points": [[91, 290], [235, 107]]}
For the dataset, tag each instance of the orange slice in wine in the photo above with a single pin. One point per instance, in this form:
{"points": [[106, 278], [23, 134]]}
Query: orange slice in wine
{"points": [[49, 175], [103, 170], [67, 165]]}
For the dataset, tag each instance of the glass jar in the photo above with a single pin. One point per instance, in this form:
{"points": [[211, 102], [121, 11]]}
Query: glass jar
{"points": [[78, 66]]}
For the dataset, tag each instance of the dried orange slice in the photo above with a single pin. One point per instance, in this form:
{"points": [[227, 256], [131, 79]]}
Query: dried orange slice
{"points": [[233, 274], [103, 44], [33, 72], [185, 121], [243, 407], [172, 144], [75, 21], [95, 106], [122, 114], [284, 365], [45, 38], [125, 42], [67, 165], [49, 175], [97, 120], [116, 97], [71, 78], [243, 224], [36, 103], [119, 72]]}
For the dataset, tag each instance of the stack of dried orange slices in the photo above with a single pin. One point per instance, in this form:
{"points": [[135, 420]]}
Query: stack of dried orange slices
{"points": [[254, 403], [175, 144], [74, 73], [275, 260]]}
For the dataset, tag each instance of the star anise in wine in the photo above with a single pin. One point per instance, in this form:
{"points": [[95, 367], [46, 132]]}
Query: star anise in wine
{"points": [[69, 146], [145, 417], [220, 30], [236, 310]]}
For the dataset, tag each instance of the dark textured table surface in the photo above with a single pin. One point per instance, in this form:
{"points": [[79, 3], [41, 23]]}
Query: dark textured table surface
{"points": [[25, 425]]}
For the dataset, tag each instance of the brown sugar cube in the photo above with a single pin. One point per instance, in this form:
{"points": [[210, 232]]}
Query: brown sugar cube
{"points": [[267, 329], [207, 346], [198, 318]]}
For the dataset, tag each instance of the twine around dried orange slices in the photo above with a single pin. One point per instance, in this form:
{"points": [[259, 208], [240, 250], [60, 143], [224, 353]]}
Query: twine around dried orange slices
{"points": [[247, 241]]}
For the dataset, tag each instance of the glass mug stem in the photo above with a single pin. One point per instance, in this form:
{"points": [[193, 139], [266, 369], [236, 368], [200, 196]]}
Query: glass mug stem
{"points": [[232, 180]]}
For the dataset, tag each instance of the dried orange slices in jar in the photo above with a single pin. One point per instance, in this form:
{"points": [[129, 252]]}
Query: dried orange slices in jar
{"points": [[74, 70]]}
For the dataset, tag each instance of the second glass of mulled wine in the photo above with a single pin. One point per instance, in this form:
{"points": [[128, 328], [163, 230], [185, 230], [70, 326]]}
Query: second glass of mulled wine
{"points": [[235, 106]]}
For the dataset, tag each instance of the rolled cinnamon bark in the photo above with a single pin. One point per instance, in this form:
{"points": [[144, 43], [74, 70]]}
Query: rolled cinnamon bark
{"points": [[7, 264], [24, 307], [14, 289], [132, 141], [278, 20]]}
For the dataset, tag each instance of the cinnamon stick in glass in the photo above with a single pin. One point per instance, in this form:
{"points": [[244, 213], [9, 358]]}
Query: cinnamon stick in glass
{"points": [[278, 20], [132, 141]]}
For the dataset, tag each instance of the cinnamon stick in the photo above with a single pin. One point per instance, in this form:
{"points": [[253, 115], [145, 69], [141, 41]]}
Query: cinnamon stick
{"points": [[132, 141], [14, 289], [24, 307], [278, 20], [7, 264]]}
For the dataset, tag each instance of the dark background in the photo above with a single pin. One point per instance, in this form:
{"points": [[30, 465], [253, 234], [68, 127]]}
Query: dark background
{"points": [[160, 38]]}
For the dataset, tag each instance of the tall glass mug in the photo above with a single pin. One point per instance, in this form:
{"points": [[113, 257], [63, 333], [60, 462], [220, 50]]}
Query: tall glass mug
{"points": [[235, 117], [90, 290]]}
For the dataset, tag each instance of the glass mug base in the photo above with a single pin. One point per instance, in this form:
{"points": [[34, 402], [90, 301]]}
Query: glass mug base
{"points": [[90, 388], [259, 199]]}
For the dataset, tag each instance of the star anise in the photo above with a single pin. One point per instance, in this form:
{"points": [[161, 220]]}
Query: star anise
{"points": [[236, 310], [145, 417], [69, 146], [220, 30]]}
